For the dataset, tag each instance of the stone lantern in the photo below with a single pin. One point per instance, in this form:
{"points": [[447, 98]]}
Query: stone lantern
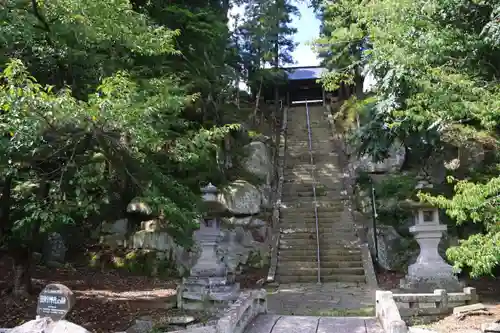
{"points": [[208, 287], [430, 271]]}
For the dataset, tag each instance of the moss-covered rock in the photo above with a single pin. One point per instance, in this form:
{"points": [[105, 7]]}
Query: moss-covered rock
{"points": [[258, 259], [143, 262]]}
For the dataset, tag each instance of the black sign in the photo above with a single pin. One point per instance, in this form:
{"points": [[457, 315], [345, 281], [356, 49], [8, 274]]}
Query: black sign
{"points": [[55, 301]]}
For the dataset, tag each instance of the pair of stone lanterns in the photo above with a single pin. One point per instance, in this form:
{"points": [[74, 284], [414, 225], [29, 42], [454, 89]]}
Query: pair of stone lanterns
{"points": [[430, 271], [208, 287]]}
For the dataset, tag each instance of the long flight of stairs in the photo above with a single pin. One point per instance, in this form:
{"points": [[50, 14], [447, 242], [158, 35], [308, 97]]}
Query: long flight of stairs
{"points": [[340, 256]]}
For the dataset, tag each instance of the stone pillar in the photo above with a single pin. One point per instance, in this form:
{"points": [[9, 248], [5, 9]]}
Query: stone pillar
{"points": [[208, 287], [324, 97], [430, 271]]}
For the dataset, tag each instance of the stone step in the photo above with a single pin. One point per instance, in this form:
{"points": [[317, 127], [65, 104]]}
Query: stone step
{"points": [[286, 236], [310, 244], [308, 186], [312, 262], [334, 194], [307, 203], [310, 228], [338, 252], [324, 229], [322, 167], [324, 232], [302, 270], [318, 173], [298, 211], [299, 225], [310, 211], [299, 140], [292, 152], [325, 218], [312, 258], [309, 221], [324, 278]]}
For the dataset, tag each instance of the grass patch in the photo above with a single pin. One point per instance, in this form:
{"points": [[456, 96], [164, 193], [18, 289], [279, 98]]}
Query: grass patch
{"points": [[271, 289]]}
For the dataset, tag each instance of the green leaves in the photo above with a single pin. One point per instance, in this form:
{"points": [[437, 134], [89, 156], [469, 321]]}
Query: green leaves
{"points": [[82, 149], [436, 65]]}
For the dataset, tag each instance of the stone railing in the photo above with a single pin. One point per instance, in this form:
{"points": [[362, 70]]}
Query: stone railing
{"points": [[248, 306], [431, 306], [236, 318], [394, 309], [279, 174], [387, 313]]}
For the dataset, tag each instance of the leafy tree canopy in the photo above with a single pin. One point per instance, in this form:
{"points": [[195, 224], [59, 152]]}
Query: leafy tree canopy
{"points": [[436, 66]]}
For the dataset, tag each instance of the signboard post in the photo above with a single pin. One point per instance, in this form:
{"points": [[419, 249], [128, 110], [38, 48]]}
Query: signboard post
{"points": [[55, 301]]}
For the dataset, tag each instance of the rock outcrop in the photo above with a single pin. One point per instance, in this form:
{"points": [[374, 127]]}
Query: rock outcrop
{"points": [[242, 205]]}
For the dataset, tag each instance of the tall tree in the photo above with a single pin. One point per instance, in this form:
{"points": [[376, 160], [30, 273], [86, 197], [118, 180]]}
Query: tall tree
{"points": [[266, 38], [94, 110]]}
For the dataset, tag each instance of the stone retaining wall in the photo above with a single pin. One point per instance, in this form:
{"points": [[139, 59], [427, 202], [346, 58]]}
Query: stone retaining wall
{"points": [[279, 174]]}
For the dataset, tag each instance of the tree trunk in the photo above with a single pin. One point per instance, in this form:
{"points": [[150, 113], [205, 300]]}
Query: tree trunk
{"points": [[22, 271], [257, 100], [22, 252], [5, 203]]}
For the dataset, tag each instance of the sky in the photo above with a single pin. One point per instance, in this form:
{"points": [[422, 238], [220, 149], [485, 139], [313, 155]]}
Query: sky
{"points": [[308, 29]]}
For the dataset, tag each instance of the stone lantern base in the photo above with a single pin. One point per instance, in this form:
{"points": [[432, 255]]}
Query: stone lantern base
{"points": [[426, 277], [428, 285], [206, 294]]}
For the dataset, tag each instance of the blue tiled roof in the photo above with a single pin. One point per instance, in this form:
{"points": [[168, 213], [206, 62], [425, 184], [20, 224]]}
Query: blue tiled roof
{"points": [[304, 73]]}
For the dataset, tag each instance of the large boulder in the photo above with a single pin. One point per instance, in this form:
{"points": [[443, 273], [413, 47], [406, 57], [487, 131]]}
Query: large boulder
{"points": [[395, 252], [115, 227], [259, 161], [44, 325], [165, 248], [238, 248], [257, 227], [114, 233], [393, 163], [151, 240], [241, 198]]}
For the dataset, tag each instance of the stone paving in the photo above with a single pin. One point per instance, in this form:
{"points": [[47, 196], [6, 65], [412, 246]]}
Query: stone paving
{"points": [[298, 324], [321, 300]]}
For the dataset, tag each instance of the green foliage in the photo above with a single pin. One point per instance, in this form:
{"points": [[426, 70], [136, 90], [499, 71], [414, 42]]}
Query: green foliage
{"points": [[479, 203], [55, 140], [436, 66], [105, 102]]}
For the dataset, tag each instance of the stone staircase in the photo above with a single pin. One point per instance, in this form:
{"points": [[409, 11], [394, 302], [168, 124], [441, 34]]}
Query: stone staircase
{"points": [[340, 255]]}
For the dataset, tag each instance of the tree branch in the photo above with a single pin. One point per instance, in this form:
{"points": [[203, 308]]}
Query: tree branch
{"points": [[39, 16]]}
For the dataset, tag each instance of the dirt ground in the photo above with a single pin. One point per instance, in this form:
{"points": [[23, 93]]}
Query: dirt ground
{"points": [[469, 324], [119, 298], [488, 289]]}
